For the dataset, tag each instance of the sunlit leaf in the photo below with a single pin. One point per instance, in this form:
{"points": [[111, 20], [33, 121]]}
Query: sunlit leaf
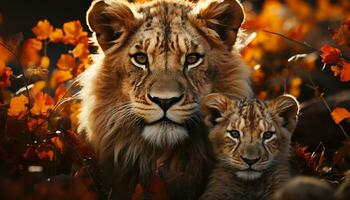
{"points": [[60, 76], [56, 35], [45, 62], [73, 32], [339, 114], [42, 30], [66, 62], [18, 107], [43, 103]]}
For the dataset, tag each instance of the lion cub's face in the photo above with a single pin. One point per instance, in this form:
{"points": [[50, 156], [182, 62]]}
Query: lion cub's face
{"points": [[160, 52], [250, 136]]}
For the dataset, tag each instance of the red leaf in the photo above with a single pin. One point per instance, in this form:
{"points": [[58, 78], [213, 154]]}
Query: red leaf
{"points": [[330, 55]]}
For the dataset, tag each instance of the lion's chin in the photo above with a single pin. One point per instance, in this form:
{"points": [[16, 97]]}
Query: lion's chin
{"points": [[248, 175], [164, 134]]}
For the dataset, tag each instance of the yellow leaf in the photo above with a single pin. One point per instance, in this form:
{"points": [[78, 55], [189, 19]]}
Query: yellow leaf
{"points": [[18, 106], [45, 62], [38, 86], [339, 114]]}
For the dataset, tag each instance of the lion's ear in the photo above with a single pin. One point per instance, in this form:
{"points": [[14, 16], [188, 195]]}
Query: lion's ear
{"points": [[223, 16], [213, 107], [287, 108], [110, 21]]}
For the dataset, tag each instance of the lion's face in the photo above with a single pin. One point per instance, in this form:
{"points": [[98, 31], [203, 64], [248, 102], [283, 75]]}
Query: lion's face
{"points": [[167, 76], [163, 55], [249, 135]]}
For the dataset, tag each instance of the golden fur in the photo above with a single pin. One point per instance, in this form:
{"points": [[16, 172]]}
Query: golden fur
{"points": [[251, 144], [141, 76]]}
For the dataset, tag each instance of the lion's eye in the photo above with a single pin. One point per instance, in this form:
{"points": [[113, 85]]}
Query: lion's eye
{"points": [[139, 60], [234, 134], [267, 135], [193, 60]]}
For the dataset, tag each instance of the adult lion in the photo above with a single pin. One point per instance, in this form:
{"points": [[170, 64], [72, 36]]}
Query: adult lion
{"points": [[140, 97]]}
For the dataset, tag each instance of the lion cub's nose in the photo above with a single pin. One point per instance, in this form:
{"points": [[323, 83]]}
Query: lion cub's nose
{"points": [[165, 104], [250, 162]]}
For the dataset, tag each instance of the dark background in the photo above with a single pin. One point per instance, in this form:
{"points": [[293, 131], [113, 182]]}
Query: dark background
{"points": [[22, 15]]}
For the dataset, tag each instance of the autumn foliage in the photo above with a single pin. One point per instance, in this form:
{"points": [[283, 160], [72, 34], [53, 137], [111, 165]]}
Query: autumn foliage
{"points": [[38, 108]]}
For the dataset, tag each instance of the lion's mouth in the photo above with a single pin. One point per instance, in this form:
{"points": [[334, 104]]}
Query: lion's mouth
{"points": [[164, 120]]}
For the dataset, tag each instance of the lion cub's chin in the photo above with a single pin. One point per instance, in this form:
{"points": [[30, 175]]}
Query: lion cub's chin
{"points": [[248, 175], [164, 134]]}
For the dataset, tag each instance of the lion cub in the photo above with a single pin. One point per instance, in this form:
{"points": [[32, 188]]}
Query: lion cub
{"points": [[251, 144]]}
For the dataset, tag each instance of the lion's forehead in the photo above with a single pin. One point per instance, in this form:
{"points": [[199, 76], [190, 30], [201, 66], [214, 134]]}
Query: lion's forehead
{"points": [[251, 118], [165, 29]]}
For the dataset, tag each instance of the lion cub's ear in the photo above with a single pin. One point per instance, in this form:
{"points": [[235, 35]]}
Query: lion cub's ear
{"points": [[223, 16], [110, 21], [286, 107], [213, 107]]}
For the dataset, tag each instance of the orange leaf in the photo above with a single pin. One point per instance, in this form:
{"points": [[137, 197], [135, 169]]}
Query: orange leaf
{"points": [[18, 106], [42, 105], [59, 77], [345, 72], [58, 143], [42, 30], [330, 55], [30, 53], [66, 62], [81, 51], [73, 32], [56, 35], [339, 114]]}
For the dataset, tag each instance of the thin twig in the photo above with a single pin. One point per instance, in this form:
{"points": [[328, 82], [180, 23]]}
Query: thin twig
{"points": [[292, 40], [321, 96]]}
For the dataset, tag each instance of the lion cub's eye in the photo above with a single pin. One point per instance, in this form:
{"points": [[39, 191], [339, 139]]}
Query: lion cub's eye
{"points": [[267, 135], [139, 60], [193, 60], [234, 134]]}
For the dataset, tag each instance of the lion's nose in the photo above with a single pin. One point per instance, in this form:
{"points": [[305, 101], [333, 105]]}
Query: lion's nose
{"points": [[250, 162], [165, 104]]}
